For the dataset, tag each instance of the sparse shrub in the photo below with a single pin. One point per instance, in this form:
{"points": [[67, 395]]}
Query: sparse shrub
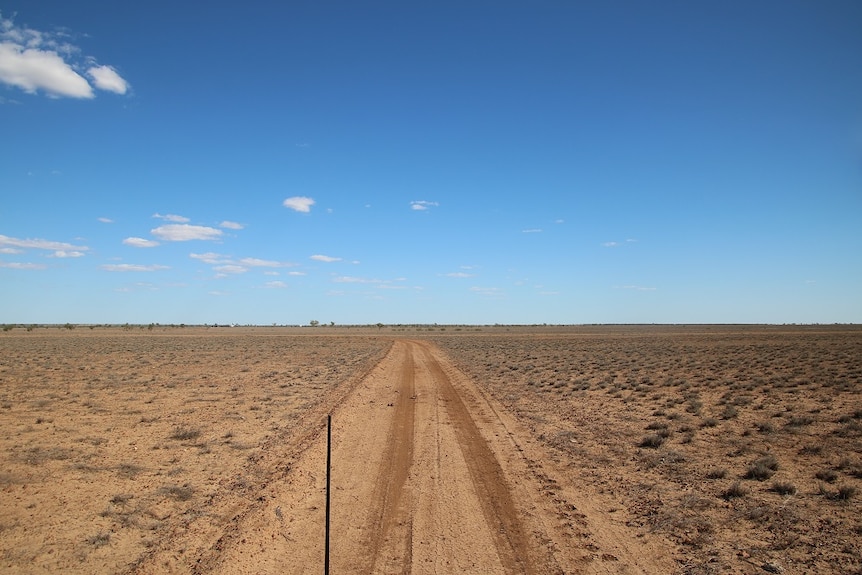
{"points": [[185, 433], [827, 475], [799, 421], [845, 493], [709, 422], [100, 539], [734, 491], [129, 470], [716, 473], [652, 441], [762, 468], [121, 498], [657, 426], [765, 426], [178, 492], [729, 412], [784, 488]]}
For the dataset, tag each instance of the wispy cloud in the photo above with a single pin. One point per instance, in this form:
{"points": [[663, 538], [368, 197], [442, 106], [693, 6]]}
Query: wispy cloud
{"points": [[35, 61], [459, 275], [618, 244], [275, 284], [259, 263], [299, 203], [140, 242], [532, 231], [211, 258], [22, 266], [422, 205], [327, 259], [11, 251], [231, 225], [226, 265], [185, 232], [133, 268], [106, 220], [231, 269], [172, 218], [106, 78], [39, 244], [67, 254], [355, 280], [487, 291]]}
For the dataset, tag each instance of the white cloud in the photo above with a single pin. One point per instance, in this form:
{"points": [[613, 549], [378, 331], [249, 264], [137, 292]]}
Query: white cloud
{"points": [[296, 273], [22, 266], [459, 275], [39, 244], [140, 243], [106, 78], [327, 259], [421, 205], [355, 280], [487, 291], [532, 231], [33, 70], [299, 203], [172, 218], [11, 251], [185, 232], [255, 262], [230, 269], [67, 254], [275, 284], [32, 61], [106, 220], [210, 258], [231, 225], [618, 244], [132, 268]]}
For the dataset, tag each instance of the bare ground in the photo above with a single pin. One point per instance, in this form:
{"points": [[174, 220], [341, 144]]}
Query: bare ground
{"points": [[509, 451]]}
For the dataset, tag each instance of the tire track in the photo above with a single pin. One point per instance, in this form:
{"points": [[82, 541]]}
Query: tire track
{"points": [[387, 505], [498, 507]]}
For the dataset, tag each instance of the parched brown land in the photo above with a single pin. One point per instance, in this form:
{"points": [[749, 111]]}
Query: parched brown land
{"points": [[641, 449]]}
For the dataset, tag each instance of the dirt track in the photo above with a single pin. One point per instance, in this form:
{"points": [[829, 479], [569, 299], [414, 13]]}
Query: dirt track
{"points": [[429, 476]]}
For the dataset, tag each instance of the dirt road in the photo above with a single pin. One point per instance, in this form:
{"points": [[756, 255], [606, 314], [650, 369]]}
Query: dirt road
{"points": [[429, 476]]}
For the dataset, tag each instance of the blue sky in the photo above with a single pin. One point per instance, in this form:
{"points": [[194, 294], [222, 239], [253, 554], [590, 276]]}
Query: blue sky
{"points": [[439, 162]]}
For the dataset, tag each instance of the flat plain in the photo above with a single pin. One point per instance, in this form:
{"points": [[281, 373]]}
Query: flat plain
{"points": [[583, 449]]}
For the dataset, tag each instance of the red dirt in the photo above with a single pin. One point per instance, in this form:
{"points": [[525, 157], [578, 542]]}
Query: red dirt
{"points": [[511, 451]]}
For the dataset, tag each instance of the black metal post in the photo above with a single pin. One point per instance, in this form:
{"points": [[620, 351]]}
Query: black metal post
{"points": [[328, 460]]}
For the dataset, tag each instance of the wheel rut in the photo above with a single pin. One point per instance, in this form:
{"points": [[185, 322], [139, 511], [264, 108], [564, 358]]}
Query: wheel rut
{"points": [[428, 478]]}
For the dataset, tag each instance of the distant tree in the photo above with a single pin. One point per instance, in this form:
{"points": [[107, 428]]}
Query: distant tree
{"points": [[314, 323], [332, 324], [379, 326], [69, 326]]}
